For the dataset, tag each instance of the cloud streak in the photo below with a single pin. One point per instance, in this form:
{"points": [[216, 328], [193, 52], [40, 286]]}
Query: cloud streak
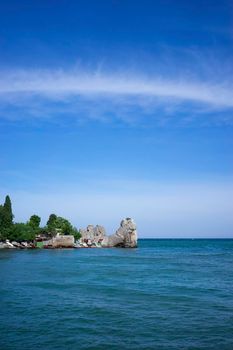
{"points": [[107, 96], [60, 83]]}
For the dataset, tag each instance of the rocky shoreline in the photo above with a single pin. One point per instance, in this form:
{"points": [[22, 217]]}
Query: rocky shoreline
{"points": [[91, 237]]}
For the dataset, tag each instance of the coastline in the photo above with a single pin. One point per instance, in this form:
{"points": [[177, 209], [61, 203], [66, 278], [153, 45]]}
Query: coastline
{"points": [[91, 237]]}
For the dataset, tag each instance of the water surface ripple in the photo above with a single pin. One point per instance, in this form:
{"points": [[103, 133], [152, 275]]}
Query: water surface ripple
{"points": [[167, 294]]}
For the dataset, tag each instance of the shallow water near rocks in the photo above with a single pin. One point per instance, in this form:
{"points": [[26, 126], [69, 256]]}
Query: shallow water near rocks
{"points": [[166, 294]]}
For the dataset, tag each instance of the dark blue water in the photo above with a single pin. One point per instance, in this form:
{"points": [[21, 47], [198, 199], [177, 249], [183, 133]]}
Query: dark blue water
{"points": [[167, 294]]}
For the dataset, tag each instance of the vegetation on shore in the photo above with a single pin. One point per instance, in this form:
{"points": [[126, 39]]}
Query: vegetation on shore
{"points": [[28, 231]]}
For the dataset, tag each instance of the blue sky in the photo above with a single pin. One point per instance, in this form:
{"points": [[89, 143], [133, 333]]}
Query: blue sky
{"points": [[119, 108]]}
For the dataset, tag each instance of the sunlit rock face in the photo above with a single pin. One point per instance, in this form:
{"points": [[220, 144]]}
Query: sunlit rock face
{"points": [[125, 236], [60, 241], [94, 234]]}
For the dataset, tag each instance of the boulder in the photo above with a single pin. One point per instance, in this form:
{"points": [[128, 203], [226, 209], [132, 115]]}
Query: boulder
{"points": [[92, 234], [9, 244], [3, 245], [62, 241], [125, 236], [16, 244], [99, 233]]}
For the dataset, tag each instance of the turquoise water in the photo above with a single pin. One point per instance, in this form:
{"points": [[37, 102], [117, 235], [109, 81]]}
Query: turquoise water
{"points": [[167, 294]]}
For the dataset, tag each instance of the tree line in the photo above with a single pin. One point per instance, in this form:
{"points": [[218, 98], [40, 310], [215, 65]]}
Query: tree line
{"points": [[18, 231]]}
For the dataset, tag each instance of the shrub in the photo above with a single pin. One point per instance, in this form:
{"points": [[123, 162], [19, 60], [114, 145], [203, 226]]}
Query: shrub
{"points": [[77, 235], [34, 221], [21, 232]]}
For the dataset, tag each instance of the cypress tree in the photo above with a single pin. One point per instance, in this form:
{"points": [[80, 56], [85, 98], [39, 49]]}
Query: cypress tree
{"points": [[8, 220], [2, 216]]}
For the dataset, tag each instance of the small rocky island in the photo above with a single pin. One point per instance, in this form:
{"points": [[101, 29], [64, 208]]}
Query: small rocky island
{"points": [[59, 233], [91, 237]]}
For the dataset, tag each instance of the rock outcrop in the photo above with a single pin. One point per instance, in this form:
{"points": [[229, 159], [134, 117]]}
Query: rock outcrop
{"points": [[93, 234], [6, 245], [60, 241], [125, 236], [14, 245]]}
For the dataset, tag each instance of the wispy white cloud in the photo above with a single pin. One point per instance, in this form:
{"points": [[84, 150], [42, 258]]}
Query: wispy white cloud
{"points": [[100, 94], [57, 84]]}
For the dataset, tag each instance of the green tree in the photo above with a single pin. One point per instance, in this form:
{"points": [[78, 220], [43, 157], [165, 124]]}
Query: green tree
{"points": [[51, 223], [63, 225], [4, 229], [22, 232], [57, 224], [34, 221], [8, 212], [6, 216], [2, 217]]}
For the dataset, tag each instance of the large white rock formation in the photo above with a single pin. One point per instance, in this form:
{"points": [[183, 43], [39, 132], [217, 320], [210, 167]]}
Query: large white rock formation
{"points": [[125, 236], [93, 234]]}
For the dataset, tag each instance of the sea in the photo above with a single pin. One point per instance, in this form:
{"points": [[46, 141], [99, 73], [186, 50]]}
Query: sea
{"points": [[165, 294]]}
